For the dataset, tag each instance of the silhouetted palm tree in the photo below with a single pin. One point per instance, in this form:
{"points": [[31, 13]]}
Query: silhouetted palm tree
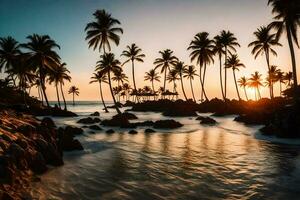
{"points": [[64, 76], [102, 31], [219, 50], [108, 64], [74, 91], [133, 53], [243, 82], [280, 79], [100, 77], [255, 82], [203, 51], [288, 78], [173, 77], [119, 77], [229, 43], [287, 19], [126, 88], [180, 68], [42, 57], [263, 43], [190, 73], [166, 60], [152, 76], [234, 63], [9, 51], [272, 78]]}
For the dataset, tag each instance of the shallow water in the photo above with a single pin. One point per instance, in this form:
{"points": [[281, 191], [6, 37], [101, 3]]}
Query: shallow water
{"points": [[226, 161]]}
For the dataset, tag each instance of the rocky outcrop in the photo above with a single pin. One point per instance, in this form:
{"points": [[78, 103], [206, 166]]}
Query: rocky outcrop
{"points": [[88, 120], [149, 130], [95, 114], [132, 132], [167, 124], [208, 121], [120, 120]]}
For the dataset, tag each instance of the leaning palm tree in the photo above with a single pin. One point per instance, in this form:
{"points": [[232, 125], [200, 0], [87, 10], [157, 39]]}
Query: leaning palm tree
{"points": [[64, 77], [203, 51], [100, 77], [167, 59], [9, 51], [102, 31], [263, 44], [234, 63], [106, 65], [152, 76], [133, 53], [74, 91], [42, 56], [180, 68], [243, 82], [287, 19], [229, 43], [255, 82], [190, 73], [219, 50]]}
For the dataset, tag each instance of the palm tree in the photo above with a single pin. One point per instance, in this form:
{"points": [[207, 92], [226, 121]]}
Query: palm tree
{"points": [[102, 31], [287, 19], [272, 78], [63, 71], [189, 73], [166, 60], [119, 77], [255, 82], [234, 63], [219, 50], [203, 51], [263, 45], [133, 53], [9, 51], [288, 78], [243, 82], [152, 76], [280, 79], [100, 77], [180, 68], [126, 88], [173, 77], [74, 91], [229, 43], [106, 65], [42, 57]]}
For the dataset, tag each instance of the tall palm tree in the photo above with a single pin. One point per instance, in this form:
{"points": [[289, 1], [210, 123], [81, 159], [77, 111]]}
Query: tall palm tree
{"points": [[203, 51], [100, 77], [106, 65], [173, 77], [167, 59], [288, 78], [229, 42], [152, 76], [280, 79], [42, 56], [243, 82], [219, 50], [190, 73], [234, 63], [272, 78], [9, 51], [133, 53], [287, 19], [119, 77], [255, 82], [102, 31], [63, 77], [263, 43], [180, 68], [126, 88], [74, 91]]}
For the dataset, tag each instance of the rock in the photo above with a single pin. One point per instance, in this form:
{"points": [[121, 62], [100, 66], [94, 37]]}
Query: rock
{"points": [[67, 141], [118, 120], [269, 129], [149, 130], [128, 115], [182, 112], [132, 132], [87, 120], [26, 130], [84, 126], [256, 118], [95, 114], [109, 131], [208, 120], [6, 196], [48, 122], [71, 130], [200, 118], [95, 127], [167, 124], [145, 123], [97, 120], [49, 152], [91, 132], [38, 163]]}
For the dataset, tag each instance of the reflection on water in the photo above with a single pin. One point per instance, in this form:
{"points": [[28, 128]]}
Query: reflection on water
{"points": [[192, 162]]}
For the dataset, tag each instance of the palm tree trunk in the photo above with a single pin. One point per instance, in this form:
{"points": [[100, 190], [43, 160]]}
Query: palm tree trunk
{"points": [[200, 77], [183, 88], [100, 88], [236, 86], [268, 64], [280, 88], [225, 69], [133, 77], [258, 92], [38, 88], [290, 41], [63, 96], [58, 101], [221, 79], [42, 80], [246, 93], [73, 99], [203, 88], [165, 77], [192, 89], [112, 94]]}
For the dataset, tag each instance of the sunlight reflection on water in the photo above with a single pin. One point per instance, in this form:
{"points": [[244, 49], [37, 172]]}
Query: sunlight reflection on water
{"points": [[225, 161]]}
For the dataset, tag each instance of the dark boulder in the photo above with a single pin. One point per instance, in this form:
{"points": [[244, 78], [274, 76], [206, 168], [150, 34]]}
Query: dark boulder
{"points": [[200, 118], [95, 127], [256, 118], [38, 163], [110, 131], [118, 120], [182, 112], [167, 124], [149, 130], [88, 120], [67, 141], [49, 151], [71, 130], [145, 123], [48, 122], [95, 114], [132, 132], [208, 120]]}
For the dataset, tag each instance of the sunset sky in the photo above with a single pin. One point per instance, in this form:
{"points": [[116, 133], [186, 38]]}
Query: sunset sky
{"points": [[153, 25]]}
